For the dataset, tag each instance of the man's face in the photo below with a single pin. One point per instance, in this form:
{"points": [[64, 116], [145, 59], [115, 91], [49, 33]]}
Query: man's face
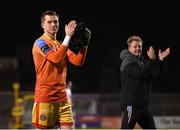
{"points": [[51, 24], [135, 48]]}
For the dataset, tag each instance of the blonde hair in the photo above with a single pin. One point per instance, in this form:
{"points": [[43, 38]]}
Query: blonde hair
{"points": [[134, 38]]}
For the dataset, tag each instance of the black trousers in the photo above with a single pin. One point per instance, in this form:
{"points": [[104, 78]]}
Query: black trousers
{"points": [[141, 115]]}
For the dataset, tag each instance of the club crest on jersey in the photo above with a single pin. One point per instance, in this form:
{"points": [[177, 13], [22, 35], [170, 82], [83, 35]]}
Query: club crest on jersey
{"points": [[42, 117]]}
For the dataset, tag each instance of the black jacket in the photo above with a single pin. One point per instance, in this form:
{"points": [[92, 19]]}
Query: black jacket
{"points": [[136, 78]]}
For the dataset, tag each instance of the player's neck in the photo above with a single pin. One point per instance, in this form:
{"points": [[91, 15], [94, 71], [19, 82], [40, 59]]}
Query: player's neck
{"points": [[50, 36]]}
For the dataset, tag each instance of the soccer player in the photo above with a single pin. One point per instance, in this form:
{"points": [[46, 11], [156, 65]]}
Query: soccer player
{"points": [[136, 78], [51, 105]]}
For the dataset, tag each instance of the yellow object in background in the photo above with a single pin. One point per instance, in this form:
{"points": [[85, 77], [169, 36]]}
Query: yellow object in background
{"points": [[18, 109]]}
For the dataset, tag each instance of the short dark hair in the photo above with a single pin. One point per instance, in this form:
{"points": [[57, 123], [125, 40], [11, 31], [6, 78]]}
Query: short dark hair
{"points": [[48, 12]]}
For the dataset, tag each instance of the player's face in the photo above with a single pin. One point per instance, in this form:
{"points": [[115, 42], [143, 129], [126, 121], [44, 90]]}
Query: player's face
{"points": [[51, 24], [135, 48]]}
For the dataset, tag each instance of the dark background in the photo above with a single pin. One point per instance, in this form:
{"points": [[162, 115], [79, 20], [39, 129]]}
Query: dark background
{"points": [[111, 23]]}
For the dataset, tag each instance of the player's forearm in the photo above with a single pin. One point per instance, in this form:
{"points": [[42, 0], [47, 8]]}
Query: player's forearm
{"points": [[79, 59], [59, 55]]}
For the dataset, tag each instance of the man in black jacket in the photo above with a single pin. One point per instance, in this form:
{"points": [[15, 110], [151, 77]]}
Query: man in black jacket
{"points": [[136, 78]]}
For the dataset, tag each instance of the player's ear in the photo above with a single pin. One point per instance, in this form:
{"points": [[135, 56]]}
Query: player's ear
{"points": [[42, 25]]}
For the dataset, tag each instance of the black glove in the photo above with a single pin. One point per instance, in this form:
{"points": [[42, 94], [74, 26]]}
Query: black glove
{"points": [[80, 38]]}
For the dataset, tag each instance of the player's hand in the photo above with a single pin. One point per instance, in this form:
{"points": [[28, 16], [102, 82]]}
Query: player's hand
{"points": [[80, 38], [151, 53], [163, 54], [56, 47], [70, 28]]}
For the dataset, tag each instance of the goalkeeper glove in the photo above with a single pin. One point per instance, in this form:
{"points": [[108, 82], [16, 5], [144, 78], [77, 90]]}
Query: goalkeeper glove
{"points": [[87, 37], [81, 37]]}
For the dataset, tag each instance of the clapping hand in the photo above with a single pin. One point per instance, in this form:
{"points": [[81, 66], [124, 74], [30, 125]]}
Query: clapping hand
{"points": [[163, 54], [151, 53]]}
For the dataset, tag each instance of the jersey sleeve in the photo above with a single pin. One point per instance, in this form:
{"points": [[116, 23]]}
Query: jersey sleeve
{"points": [[77, 59], [41, 44]]}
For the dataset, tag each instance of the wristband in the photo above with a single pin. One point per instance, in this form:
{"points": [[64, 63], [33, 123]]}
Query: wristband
{"points": [[66, 41]]}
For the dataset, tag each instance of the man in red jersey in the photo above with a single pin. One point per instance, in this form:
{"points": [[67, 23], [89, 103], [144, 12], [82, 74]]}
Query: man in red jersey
{"points": [[51, 106]]}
